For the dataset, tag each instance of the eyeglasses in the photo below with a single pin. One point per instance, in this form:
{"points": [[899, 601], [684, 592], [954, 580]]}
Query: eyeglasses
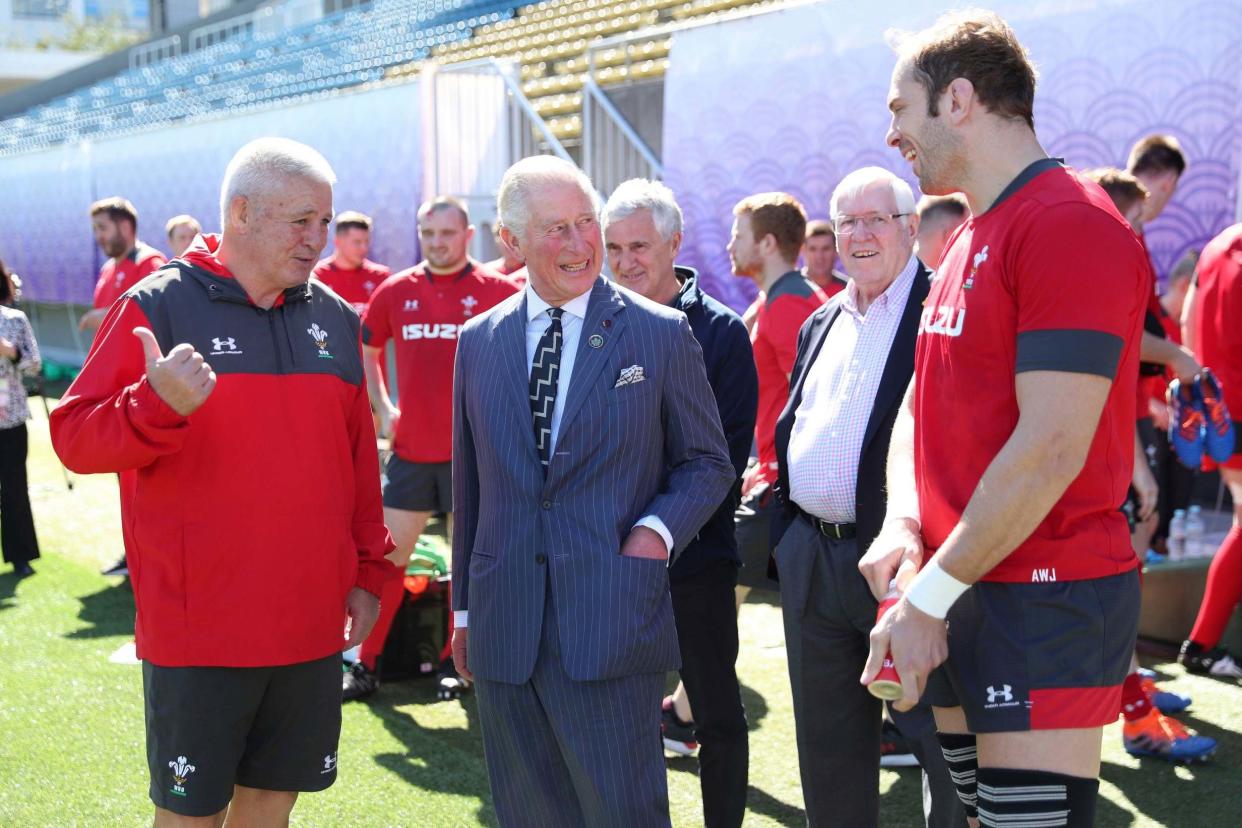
{"points": [[875, 222]]}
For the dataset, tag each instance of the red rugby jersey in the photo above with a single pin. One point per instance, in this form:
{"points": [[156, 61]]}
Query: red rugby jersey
{"points": [[120, 274], [422, 313], [354, 285], [1218, 313], [1049, 278], [774, 337]]}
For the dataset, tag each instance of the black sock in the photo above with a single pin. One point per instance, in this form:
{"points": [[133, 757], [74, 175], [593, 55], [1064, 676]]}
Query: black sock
{"points": [[1035, 799], [962, 757]]}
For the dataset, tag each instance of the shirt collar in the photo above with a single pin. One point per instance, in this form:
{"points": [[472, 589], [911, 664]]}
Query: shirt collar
{"points": [[574, 307], [898, 290]]}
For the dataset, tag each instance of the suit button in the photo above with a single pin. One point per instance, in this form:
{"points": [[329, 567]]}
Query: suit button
{"points": [[547, 504], [541, 558]]}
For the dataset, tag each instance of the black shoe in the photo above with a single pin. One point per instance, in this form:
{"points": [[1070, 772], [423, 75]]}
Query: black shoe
{"points": [[358, 683], [23, 569], [894, 752], [121, 568], [678, 736], [449, 683], [1214, 662]]}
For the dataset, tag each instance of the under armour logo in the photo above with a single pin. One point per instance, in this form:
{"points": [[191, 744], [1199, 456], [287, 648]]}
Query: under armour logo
{"points": [[411, 305], [1004, 694], [329, 763], [227, 345]]}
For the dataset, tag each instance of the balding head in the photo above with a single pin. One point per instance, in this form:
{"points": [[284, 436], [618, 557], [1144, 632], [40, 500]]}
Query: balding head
{"points": [[267, 164]]}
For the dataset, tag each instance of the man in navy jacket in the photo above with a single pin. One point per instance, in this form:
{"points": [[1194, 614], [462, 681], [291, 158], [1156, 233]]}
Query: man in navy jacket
{"points": [[642, 235]]}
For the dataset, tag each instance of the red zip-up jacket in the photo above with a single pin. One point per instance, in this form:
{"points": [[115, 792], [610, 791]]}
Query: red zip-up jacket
{"points": [[246, 523]]}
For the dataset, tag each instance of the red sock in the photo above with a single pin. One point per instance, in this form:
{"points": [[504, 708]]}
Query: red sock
{"points": [[447, 652], [1134, 701], [1224, 588], [390, 602]]}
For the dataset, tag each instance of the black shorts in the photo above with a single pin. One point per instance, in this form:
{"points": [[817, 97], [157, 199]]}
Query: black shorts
{"points": [[418, 487], [1042, 656], [210, 728]]}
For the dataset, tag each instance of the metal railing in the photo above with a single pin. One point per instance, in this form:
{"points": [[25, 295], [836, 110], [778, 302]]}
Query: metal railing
{"points": [[612, 151], [483, 124], [154, 52]]}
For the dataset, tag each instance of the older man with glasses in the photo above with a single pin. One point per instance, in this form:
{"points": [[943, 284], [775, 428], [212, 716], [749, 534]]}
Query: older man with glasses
{"points": [[855, 358]]}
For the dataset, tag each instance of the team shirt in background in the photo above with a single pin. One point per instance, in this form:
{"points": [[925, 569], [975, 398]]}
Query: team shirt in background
{"points": [[1050, 278], [354, 285], [1218, 317], [423, 313], [774, 337], [120, 274]]}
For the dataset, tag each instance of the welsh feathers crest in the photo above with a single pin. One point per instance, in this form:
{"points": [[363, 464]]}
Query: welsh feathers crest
{"points": [[181, 769], [319, 335]]}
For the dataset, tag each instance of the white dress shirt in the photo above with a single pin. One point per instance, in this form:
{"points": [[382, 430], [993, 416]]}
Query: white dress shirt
{"points": [[537, 323], [837, 398]]}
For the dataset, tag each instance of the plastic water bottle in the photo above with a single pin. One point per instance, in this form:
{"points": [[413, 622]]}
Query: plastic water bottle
{"points": [[1194, 533], [1177, 536]]}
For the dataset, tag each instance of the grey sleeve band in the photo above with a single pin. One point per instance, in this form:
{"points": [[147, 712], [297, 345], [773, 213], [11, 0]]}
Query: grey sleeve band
{"points": [[1074, 351]]}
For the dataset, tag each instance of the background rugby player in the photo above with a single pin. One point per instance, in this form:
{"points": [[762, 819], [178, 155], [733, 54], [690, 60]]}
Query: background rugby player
{"points": [[421, 310], [348, 271]]}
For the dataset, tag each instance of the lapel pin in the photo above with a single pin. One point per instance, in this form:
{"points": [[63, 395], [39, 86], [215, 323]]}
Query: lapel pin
{"points": [[596, 341], [606, 324]]}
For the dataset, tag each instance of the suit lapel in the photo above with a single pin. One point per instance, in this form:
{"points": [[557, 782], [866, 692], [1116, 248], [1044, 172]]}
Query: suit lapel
{"points": [[899, 366], [815, 341], [603, 319], [510, 348]]}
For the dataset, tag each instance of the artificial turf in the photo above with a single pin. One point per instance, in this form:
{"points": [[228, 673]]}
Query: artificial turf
{"points": [[71, 726]]}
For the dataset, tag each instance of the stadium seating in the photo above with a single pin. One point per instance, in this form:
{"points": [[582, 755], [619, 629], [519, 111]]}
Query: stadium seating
{"points": [[385, 39]]}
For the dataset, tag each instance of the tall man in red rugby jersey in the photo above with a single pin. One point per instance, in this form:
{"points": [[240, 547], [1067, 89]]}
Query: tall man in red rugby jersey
{"points": [[421, 310], [114, 222], [1016, 444], [348, 271]]}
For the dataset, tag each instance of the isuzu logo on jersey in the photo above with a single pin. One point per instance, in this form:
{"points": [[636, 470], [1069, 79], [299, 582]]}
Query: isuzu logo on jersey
{"points": [[945, 319], [427, 330]]}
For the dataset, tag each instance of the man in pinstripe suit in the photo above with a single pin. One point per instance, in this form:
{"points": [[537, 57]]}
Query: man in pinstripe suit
{"points": [[587, 450]]}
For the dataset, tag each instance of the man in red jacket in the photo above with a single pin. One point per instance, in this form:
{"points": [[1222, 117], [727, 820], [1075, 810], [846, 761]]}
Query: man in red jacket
{"points": [[249, 494]]}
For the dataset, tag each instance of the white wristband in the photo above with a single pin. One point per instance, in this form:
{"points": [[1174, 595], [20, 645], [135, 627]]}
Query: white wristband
{"points": [[934, 591]]}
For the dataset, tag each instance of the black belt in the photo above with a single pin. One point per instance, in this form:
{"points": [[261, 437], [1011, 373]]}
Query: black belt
{"points": [[840, 531]]}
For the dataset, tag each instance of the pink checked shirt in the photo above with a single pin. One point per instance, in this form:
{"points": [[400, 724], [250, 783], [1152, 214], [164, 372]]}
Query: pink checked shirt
{"points": [[837, 399]]}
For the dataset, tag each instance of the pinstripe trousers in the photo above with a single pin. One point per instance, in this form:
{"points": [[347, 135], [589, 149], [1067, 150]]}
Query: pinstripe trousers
{"points": [[574, 753]]}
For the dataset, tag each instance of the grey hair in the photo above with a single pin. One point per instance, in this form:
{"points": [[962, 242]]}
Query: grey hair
{"points": [[860, 179], [520, 180], [641, 194], [259, 167]]}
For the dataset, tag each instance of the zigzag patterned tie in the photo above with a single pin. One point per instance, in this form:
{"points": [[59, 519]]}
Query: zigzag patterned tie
{"points": [[544, 373]]}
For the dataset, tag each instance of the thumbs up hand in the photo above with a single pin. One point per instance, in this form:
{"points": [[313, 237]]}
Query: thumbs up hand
{"points": [[183, 379]]}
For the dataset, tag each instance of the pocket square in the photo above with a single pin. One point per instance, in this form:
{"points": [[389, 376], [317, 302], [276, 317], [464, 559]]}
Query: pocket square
{"points": [[629, 376]]}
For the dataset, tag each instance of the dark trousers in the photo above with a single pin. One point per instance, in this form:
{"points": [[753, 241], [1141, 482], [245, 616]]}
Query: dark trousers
{"points": [[706, 614], [829, 612], [17, 532]]}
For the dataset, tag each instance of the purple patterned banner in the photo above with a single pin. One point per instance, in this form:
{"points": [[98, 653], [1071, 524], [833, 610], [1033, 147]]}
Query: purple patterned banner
{"points": [[795, 99]]}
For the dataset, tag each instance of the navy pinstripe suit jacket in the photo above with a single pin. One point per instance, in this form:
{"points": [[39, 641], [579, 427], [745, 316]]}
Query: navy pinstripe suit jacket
{"points": [[652, 447]]}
